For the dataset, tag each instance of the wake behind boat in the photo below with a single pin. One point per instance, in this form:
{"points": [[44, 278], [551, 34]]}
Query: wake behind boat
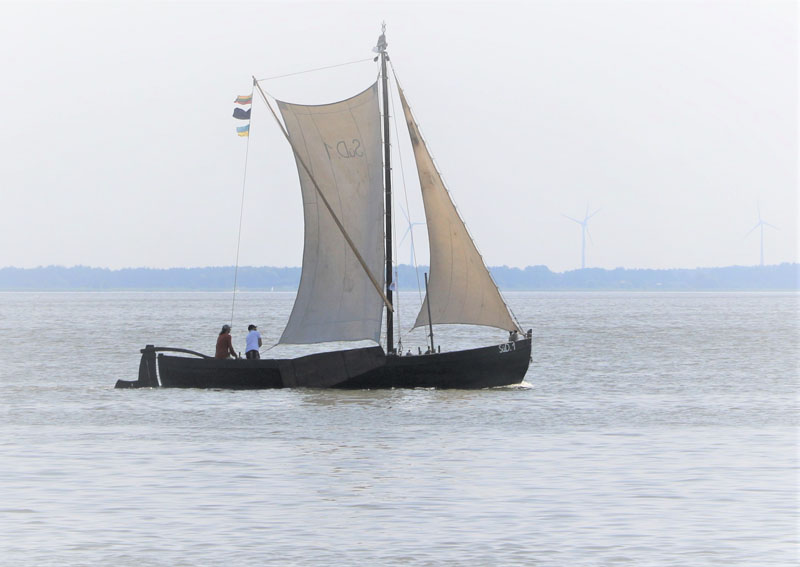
{"points": [[342, 153]]}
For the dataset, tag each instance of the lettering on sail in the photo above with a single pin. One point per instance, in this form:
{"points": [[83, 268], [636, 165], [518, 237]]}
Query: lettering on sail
{"points": [[344, 149]]}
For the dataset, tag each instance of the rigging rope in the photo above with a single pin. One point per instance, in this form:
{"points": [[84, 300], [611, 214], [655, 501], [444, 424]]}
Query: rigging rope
{"points": [[396, 277], [241, 212], [314, 70], [405, 192], [408, 218]]}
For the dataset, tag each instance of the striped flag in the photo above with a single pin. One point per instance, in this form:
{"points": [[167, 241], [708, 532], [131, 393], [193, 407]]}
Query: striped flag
{"points": [[247, 99], [243, 130]]}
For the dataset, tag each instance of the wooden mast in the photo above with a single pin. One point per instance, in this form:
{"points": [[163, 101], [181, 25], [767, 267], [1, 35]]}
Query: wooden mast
{"points": [[387, 181], [430, 319]]}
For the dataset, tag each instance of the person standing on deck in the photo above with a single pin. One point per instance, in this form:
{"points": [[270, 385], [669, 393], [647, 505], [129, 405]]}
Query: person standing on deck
{"points": [[225, 344], [253, 343]]}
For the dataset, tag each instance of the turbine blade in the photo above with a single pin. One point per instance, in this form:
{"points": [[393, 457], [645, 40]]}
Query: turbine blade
{"points": [[593, 214], [408, 230], [770, 225], [589, 234], [570, 218], [752, 229]]}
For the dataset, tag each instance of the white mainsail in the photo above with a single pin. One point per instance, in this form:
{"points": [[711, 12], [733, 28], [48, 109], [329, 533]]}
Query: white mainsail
{"points": [[460, 289], [341, 145]]}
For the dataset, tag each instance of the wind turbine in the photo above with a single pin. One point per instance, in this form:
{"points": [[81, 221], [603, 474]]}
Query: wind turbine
{"points": [[408, 231], [411, 225], [761, 224], [584, 232]]}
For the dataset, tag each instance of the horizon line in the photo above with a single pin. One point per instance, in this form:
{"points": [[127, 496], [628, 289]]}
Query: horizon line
{"points": [[233, 267]]}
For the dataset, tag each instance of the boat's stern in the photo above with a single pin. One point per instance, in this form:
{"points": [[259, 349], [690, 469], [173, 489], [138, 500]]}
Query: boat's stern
{"points": [[148, 377]]}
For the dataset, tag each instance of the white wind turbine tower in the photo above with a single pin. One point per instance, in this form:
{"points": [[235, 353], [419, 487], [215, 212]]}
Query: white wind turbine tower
{"points": [[411, 225], [410, 232], [584, 232], [761, 224]]}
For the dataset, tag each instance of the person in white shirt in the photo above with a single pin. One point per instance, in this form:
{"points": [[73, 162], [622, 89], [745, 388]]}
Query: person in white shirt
{"points": [[253, 343]]}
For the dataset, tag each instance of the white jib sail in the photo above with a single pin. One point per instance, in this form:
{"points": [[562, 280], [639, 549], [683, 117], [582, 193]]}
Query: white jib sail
{"points": [[460, 288], [341, 145]]}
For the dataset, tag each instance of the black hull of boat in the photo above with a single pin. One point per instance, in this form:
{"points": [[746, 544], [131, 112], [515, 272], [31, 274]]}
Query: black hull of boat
{"points": [[367, 368]]}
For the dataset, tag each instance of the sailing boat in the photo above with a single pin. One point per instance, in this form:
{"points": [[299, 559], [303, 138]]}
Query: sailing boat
{"points": [[342, 155]]}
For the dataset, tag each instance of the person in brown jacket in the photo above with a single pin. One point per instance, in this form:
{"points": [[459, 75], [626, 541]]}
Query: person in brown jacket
{"points": [[225, 343]]}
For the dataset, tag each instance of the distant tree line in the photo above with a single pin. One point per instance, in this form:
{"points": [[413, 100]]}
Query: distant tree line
{"points": [[532, 278], [169, 279], [59, 278], [755, 278]]}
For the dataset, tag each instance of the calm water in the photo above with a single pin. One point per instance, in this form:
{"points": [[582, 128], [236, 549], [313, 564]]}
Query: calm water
{"points": [[653, 429]]}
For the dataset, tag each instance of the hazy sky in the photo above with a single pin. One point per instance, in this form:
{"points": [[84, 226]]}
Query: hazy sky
{"points": [[675, 119]]}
